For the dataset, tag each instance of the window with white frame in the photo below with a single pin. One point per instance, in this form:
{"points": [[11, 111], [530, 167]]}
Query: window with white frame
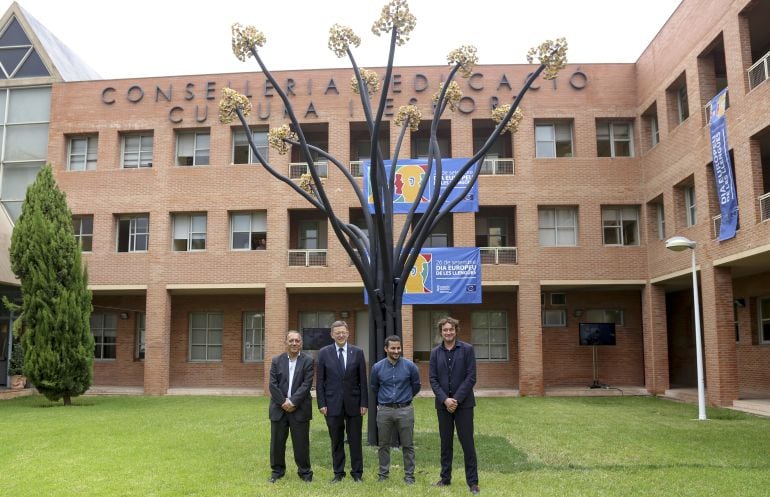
{"points": [[660, 218], [557, 226], [137, 150], [189, 232], [312, 235], [682, 103], [554, 318], [133, 233], [764, 319], [553, 139], [242, 153], [248, 230], [620, 225], [253, 336], [604, 316], [425, 332], [489, 335], [192, 148], [81, 153], [654, 131], [206, 336], [690, 208], [83, 226], [139, 343], [491, 232], [614, 139], [104, 327]]}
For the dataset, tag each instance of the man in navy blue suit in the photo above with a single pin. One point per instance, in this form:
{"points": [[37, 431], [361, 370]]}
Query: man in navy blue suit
{"points": [[343, 399], [452, 375]]}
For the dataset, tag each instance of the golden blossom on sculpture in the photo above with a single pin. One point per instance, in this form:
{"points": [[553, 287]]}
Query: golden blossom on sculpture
{"points": [[396, 14], [370, 79], [466, 57], [306, 183], [409, 114], [232, 100], [499, 112], [246, 38], [552, 54], [277, 138], [340, 39], [452, 96]]}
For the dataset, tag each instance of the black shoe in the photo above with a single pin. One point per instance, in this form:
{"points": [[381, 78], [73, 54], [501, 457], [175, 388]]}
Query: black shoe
{"points": [[409, 481], [336, 479], [307, 479], [475, 489], [442, 483], [358, 479], [273, 479], [382, 478]]}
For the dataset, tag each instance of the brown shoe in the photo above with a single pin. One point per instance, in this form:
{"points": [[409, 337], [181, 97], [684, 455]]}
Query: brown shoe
{"points": [[475, 489]]}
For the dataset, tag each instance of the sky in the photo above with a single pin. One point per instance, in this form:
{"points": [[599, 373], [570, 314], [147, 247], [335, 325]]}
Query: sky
{"points": [[138, 38]]}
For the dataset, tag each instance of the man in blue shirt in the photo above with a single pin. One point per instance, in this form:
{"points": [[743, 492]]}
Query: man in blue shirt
{"points": [[395, 381]]}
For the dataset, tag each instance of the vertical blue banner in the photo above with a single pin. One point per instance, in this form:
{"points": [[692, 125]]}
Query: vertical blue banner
{"points": [[723, 171], [411, 173]]}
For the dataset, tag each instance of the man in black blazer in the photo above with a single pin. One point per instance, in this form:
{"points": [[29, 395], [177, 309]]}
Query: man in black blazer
{"points": [[452, 375], [341, 392], [291, 408]]}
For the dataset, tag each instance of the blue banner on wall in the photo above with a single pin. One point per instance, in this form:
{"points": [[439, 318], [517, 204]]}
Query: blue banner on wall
{"points": [[410, 173], [723, 171], [445, 276]]}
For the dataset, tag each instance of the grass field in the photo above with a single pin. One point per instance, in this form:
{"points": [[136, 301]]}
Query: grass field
{"points": [[218, 446]]}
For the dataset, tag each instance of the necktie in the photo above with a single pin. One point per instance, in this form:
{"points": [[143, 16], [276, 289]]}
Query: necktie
{"points": [[341, 357]]}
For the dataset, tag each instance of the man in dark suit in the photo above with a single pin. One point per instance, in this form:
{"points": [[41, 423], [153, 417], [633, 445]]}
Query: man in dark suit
{"points": [[452, 375], [343, 399], [291, 408]]}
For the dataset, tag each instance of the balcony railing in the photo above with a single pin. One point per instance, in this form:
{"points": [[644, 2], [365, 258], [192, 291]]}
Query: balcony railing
{"points": [[499, 255], [497, 166], [759, 71], [357, 168], [764, 207], [707, 107], [297, 169], [307, 257]]}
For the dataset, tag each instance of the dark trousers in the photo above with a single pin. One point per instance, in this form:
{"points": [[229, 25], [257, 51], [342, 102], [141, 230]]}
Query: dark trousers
{"points": [[338, 425], [463, 420], [300, 441]]}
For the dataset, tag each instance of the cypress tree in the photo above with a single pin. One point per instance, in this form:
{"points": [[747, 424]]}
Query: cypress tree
{"points": [[56, 303]]}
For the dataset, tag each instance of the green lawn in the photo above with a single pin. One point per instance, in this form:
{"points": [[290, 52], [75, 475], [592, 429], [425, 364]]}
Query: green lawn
{"points": [[218, 446]]}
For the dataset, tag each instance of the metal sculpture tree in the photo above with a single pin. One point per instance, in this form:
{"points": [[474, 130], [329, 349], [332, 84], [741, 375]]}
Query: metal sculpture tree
{"points": [[381, 256]]}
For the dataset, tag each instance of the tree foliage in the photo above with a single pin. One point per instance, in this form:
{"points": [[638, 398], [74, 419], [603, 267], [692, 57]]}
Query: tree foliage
{"points": [[56, 303]]}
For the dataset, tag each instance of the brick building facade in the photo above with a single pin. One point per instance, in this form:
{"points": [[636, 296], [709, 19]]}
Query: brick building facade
{"points": [[609, 161]]}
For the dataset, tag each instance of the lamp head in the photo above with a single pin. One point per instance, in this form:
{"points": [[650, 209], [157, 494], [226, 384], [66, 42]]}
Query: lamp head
{"points": [[679, 243]]}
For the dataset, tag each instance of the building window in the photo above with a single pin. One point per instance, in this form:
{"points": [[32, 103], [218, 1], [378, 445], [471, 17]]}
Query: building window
{"points": [[558, 299], [248, 230], [137, 150], [206, 336], [620, 225], [81, 153], [140, 336], [557, 226], [660, 218], [189, 232], [104, 327], [133, 233], [604, 316], [310, 235], [83, 226], [554, 318], [489, 335], [242, 153], [690, 208], [614, 139], [491, 232], [426, 335], [682, 105], [253, 336], [553, 139], [654, 131], [192, 148], [764, 320]]}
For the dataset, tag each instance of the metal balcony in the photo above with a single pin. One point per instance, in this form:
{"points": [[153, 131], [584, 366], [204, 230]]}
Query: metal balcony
{"points": [[307, 257], [499, 255]]}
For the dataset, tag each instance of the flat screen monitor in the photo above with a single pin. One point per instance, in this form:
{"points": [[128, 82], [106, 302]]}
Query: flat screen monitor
{"points": [[597, 333], [316, 338]]}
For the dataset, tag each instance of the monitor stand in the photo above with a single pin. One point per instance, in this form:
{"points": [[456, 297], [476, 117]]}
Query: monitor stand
{"points": [[596, 383]]}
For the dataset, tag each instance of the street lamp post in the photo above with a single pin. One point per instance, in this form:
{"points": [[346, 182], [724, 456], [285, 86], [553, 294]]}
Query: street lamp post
{"points": [[677, 244]]}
